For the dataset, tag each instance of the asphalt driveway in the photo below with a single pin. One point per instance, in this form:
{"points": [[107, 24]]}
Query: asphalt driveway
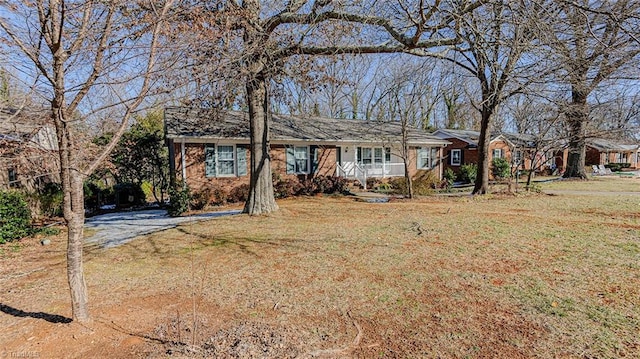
{"points": [[114, 229]]}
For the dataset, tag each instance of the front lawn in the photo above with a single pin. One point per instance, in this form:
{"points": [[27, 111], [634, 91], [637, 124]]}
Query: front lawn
{"points": [[510, 277]]}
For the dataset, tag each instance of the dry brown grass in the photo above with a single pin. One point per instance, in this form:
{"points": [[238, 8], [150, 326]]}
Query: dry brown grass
{"points": [[501, 276]]}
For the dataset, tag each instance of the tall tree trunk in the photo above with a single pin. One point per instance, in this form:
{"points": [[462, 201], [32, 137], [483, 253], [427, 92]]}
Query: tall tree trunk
{"points": [[261, 198], [73, 210], [576, 119], [406, 156], [481, 185], [75, 271]]}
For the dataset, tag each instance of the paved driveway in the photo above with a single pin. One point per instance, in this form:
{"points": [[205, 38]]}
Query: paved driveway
{"points": [[114, 229]]}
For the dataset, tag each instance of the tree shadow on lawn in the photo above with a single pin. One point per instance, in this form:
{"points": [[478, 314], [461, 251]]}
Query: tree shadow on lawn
{"points": [[221, 239], [51, 318]]}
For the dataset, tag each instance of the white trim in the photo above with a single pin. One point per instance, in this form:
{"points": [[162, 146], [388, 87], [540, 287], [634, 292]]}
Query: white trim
{"points": [[436, 142], [459, 157]]}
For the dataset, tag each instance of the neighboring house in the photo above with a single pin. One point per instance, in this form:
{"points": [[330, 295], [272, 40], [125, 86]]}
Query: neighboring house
{"points": [[515, 148], [28, 149], [207, 147], [602, 151]]}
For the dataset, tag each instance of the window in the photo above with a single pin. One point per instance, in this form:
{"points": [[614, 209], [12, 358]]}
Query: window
{"points": [[376, 155], [456, 157], [297, 160], [424, 158], [366, 156], [13, 178], [497, 153], [220, 161], [517, 157], [225, 161]]}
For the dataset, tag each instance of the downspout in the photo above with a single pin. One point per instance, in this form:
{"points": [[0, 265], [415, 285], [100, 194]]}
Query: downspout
{"points": [[183, 164]]}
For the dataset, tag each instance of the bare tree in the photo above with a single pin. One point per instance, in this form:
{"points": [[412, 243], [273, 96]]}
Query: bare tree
{"points": [[268, 34], [495, 38], [591, 43], [408, 102], [92, 59]]}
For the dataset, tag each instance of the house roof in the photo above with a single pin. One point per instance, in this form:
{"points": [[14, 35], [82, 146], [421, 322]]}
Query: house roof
{"points": [[604, 145], [469, 136], [202, 124], [472, 137], [18, 124], [28, 126]]}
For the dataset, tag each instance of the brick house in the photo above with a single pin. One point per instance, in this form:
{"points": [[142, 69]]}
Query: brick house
{"points": [[28, 150], [212, 147], [602, 151], [518, 149]]}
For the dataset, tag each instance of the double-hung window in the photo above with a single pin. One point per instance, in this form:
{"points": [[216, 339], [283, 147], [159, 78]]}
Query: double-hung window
{"points": [[13, 178], [426, 157], [297, 160], [373, 155], [497, 153], [517, 157], [456, 157], [225, 161]]}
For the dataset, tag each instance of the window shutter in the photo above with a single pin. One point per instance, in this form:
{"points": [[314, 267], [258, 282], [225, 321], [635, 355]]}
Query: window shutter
{"points": [[241, 155], [461, 156], [433, 161], [315, 160], [210, 160], [291, 160], [450, 157]]}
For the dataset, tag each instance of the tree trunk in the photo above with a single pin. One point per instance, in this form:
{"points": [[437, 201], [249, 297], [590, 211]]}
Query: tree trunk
{"points": [[408, 180], [482, 179], [261, 198], [576, 119], [75, 271], [73, 210], [406, 157]]}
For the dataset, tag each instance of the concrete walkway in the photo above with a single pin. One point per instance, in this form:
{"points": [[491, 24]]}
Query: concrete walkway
{"points": [[115, 229]]}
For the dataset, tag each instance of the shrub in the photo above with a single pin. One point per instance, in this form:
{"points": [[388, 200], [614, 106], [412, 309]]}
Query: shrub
{"points": [[51, 197], [329, 184], [213, 195], [500, 168], [468, 173], [286, 187], [15, 217], [340, 185], [617, 167], [424, 182], [179, 199], [239, 194], [449, 177]]}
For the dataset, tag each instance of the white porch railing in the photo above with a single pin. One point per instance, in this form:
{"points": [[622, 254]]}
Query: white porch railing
{"points": [[383, 170], [361, 172]]}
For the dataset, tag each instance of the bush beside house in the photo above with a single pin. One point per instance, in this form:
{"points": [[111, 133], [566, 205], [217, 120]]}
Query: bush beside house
{"points": [[15, 216]]}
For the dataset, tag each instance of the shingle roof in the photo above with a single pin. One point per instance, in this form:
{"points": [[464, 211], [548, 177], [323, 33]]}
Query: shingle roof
{"points": [[472, 137], [18, 125], [182, 122], [602, 144]]}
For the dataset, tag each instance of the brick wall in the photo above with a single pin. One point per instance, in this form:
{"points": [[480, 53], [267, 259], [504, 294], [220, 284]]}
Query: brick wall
{"points": [[195, 168]]}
